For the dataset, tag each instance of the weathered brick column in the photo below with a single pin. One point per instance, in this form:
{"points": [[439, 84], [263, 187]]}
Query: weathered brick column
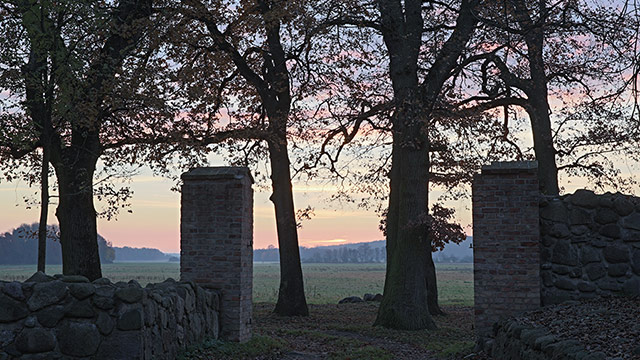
{"points": [[216, 241], [506, 234]]}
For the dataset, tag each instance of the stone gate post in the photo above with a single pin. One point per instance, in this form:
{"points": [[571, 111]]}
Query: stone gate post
{"points": [[506, 252], [216, 241]]}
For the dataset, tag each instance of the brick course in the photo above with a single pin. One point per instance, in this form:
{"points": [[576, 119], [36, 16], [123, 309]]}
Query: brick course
{"points": [[505, 242], [216, 241]]}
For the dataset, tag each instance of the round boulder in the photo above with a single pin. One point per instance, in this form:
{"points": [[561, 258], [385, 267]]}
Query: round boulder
{"points": [[565, 284], [130, 294], [79, 309], [6, 337], [14, 289], [579, 216], [554, 211], [585, 286], [74, 279], [35, 340], [104, 323], [623, 206], [611, 231], [595, 271], [82, 291], [615, 254], [78, 339], [11, 310], [102, 281], [632, 221], [617, 270], [636, 262], [559, 231], [40, 277], [350, 299], [584, 198], [564, 254], [50, 316], [47, 293], [130, 320], [589, 255], [632, 287], [606, 216]]}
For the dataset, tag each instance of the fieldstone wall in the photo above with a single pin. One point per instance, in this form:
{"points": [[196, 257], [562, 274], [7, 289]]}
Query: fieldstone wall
{"points": [[216, 241], [69, 317], [513, 340], [505, 242], [590, 246]]}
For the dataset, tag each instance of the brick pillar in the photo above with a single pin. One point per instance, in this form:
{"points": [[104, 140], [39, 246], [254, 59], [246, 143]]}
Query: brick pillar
{"points": [[506, 234], [216, 241]]}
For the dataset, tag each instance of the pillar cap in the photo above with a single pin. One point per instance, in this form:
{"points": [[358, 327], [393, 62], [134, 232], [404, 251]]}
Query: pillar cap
{"points": [[502, 167], [218, 172]]}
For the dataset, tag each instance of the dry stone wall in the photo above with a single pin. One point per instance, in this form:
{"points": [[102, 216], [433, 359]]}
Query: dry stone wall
{"points": [[512, 340], [532, 250], [590, 246], [69, 317]]}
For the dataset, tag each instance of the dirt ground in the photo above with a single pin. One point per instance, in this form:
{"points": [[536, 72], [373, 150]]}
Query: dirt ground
{"points": [[345, 332]]}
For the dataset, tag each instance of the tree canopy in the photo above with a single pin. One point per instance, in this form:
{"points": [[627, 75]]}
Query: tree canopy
{"points": [[19, 246], [419, 93], [85, 79]]}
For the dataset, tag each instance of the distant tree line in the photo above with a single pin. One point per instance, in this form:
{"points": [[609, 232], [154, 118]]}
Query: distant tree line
{"points": [[20, 246], [139, 254], [363, 253], [374, 252], [444, 258]]}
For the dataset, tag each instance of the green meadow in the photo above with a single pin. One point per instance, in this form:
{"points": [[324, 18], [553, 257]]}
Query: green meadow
{"points": [[328, 283], [324, 283], [340, 332]]}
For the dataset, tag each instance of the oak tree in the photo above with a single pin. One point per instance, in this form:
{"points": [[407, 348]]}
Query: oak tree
{"points": [[81, 78], [403, 25], [571, 53], [423, 42], [245, 67]]}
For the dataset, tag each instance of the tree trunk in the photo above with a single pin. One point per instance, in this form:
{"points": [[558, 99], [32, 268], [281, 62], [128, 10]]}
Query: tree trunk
{"points": [[44, 210], [291, 298], [432, 288], [404, 305], [542, 136], [77, 216], [543, 142], [539, 110]]}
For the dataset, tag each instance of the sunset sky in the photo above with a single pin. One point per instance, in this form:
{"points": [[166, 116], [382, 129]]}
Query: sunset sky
{"points": [[154, 221], [156, 213]]}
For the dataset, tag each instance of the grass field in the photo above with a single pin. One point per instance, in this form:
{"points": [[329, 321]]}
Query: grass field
{"points": [[331, 331], [328, 283], [324, 283]]}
